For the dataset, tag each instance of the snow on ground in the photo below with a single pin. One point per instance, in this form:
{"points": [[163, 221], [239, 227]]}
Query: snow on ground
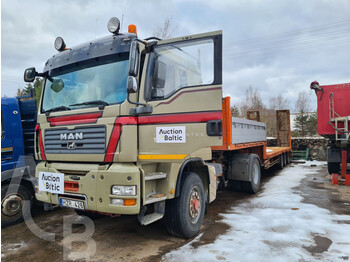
{"points": [[275, 226]]}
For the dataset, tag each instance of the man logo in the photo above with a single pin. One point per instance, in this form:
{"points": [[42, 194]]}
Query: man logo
{"points": [[71, 136], [71, 145]]}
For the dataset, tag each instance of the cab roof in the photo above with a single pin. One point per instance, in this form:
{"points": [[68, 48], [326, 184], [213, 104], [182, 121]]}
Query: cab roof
{"points": [[104, 46]]}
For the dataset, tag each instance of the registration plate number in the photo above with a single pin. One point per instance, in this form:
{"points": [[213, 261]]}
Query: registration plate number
{"points": [[72, 203]]}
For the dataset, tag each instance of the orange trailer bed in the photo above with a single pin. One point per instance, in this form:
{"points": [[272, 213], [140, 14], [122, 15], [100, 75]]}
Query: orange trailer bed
{"points": [[268, 155]]}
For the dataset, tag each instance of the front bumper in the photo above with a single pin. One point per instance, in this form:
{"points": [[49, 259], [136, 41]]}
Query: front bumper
{"points": [[95, 183]]}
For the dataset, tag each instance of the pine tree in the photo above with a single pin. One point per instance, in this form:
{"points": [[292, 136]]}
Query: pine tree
{"points": [[300, 123], [235, 111]]}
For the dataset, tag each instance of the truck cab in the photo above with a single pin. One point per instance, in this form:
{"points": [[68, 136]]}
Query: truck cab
{"points": [[125, 126]]}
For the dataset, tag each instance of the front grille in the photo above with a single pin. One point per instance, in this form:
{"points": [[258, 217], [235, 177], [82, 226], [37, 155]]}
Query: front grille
{"points": [[81, 140]]}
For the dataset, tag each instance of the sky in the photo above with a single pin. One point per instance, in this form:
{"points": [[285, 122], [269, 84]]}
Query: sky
{"points": [[277, 47]]}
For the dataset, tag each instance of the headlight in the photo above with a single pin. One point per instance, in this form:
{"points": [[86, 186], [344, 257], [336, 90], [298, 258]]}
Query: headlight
{"points": [[124, 190]]}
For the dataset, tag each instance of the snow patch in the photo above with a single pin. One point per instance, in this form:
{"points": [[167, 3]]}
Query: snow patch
{"points": [[275, 226]]}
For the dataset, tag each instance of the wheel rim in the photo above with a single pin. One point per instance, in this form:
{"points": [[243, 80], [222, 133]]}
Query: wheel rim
{"points": [[255, 174], [195, 205], [11, 205]]}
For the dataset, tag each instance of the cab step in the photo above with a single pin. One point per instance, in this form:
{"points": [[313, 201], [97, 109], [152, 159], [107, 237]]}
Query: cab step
{"points": [[153, 176], [155, 198], [159, 210]]}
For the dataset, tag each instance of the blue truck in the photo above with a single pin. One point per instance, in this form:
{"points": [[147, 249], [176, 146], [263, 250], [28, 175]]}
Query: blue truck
{"points": [[18, 122]]}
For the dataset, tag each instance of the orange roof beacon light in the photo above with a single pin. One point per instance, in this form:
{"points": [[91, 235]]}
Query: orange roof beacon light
{"points": [[132, 29], [113, 25]]}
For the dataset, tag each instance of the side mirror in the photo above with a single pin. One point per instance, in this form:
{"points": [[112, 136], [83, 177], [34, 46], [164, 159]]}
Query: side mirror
{"points": [[29, 74], [157, 93], [57, 85], [134, 58], [132, 85], [159, 75]]}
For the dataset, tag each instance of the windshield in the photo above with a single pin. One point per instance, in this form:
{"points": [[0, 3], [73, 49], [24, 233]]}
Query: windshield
{"points": [[98, 81]]}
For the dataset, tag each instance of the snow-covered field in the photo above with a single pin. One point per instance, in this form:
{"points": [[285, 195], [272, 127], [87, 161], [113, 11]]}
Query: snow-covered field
{"points": [[276, 226]]}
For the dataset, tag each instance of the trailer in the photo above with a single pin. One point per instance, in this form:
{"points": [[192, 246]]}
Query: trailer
{"points": [[139, 127], [245, 140], [333, 115]]}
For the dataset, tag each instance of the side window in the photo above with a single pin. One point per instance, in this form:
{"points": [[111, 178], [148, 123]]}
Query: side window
{"points": [[2, 126], [184, 64]]}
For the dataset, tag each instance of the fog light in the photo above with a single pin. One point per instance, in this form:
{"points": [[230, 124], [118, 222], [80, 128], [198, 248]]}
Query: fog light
{"points": [[124, 190], [117, 202]]}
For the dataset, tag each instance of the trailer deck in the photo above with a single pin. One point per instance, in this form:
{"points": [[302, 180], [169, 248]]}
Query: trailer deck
{"points": [[253, 141]]}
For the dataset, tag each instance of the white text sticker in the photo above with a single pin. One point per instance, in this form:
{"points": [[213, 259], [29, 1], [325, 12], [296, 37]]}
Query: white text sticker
{"points": [[174, 134], [51, 182]]}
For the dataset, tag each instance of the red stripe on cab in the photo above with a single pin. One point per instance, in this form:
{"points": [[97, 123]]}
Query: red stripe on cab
{"points": [[88, 118]]}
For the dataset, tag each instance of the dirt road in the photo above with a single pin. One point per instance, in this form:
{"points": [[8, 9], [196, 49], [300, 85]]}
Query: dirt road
{"points": [[124, 239]]}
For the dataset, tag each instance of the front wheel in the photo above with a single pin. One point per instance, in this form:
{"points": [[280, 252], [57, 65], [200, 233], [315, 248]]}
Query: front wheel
{"points": [[184, 215], [16, 202]]}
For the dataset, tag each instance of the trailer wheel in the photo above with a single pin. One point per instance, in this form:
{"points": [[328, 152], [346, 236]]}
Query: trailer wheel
{"points": [[280, 164], [255, 175], [333, 167], [16, 202], [288, 158], [284, 159], [184, 214]]}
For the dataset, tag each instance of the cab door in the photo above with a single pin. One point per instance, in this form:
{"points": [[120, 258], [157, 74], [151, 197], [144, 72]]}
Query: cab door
{"points": [[183, 84], [7, 158]]}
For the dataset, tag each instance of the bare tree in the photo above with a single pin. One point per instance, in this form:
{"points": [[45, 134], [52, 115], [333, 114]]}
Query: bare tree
{"points": [[302, 105], [165, 30], [252, 101], [278, 103]]}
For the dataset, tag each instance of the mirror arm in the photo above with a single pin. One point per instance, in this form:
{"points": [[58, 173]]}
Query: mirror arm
{"points": [[46, 74], [134, 103]]}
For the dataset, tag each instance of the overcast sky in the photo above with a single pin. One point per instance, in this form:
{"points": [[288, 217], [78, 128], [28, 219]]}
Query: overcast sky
{"points": [[277, 47]]}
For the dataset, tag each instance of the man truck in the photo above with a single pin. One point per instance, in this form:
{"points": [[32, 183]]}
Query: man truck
{"points": [[139, 127]]}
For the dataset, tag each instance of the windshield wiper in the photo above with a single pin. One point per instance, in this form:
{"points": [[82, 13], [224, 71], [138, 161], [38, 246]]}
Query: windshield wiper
{"points": [[57, 108], [94, 102]]}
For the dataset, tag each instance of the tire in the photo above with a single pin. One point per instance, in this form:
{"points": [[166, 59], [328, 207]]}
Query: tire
{"points": [[284, 159], [184, 214], [16, 202], [254, 174], [333, 167], [280, 162], [91, 215], [288, 158]]}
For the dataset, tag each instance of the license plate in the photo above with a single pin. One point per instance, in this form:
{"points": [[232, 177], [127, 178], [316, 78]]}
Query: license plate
{"points": [[72, 203]]}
